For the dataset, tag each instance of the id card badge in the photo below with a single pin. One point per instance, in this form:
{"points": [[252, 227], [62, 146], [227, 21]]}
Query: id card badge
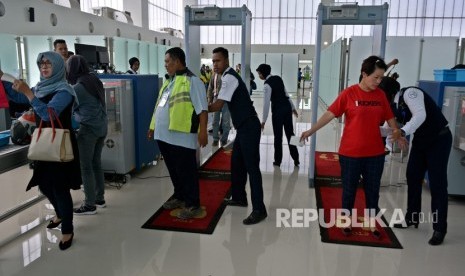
{"points": [[163, 100]]}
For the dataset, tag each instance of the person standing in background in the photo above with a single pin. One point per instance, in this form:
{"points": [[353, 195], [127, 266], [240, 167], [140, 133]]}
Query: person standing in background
{"points": [[253, 85], [221, 117], [282, 109], [238, 69], [91, 115], [59, 46], [134, 64]]}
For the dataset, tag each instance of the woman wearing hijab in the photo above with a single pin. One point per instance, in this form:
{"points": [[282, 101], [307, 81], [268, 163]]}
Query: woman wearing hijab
{"points": [[55, 179], [91, 114]]}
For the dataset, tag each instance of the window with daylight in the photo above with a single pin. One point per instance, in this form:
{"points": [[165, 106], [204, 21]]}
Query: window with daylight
{"points": [[166, 14], [273, 22], [88, 5], [414, 18]]}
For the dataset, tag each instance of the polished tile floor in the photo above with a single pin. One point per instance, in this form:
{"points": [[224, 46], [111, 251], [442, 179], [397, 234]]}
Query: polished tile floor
{"points": [[112, 242]]}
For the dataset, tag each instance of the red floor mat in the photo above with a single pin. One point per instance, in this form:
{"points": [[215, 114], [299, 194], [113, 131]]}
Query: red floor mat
{"points": [[329, 197], [212, 194], [327, 165]]}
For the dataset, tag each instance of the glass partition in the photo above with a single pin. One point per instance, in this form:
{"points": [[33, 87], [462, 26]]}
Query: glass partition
{"points": [[8, 55], [255, 61], [161, 60], [120, 54], [290, 68], [144, 57], [33, 45], [153, 59], [330, 73], [133, 51]]}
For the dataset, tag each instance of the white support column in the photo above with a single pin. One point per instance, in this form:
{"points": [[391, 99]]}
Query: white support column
{"points": [[139, 12]]}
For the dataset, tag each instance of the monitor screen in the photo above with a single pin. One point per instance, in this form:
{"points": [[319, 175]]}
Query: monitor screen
{"points": [[89, 52], [103, 57]]}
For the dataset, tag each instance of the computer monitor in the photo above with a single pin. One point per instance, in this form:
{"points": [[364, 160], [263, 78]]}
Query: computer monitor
{"points": [[89, 52], [102, 56], [97, 57]]}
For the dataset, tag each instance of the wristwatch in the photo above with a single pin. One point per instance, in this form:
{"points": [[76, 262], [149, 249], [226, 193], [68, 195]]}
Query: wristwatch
{"points": [[402, 132]]}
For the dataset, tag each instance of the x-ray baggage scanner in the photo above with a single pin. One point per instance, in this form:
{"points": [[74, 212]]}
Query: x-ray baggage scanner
{"points": [[345, 14], [216, 16]]}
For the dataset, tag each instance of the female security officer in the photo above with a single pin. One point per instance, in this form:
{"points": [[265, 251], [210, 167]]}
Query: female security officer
{"points": [[430, 151]]}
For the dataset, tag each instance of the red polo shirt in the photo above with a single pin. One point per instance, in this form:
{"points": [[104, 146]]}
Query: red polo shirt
{"points": [[364, 112]]}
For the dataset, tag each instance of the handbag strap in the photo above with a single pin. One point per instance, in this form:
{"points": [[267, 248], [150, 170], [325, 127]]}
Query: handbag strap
{"points": [[51, 115]]}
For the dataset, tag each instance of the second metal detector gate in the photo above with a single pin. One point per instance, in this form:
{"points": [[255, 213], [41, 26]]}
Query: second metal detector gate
{"points": [[346, 14]]}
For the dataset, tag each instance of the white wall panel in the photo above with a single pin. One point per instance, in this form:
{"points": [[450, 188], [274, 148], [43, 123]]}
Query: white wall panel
{"points": [[407, 50], [438, 53]]}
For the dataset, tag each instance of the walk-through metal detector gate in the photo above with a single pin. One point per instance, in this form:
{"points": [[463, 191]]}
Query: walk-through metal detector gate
{"points": [[215, 16], [345, 14]]}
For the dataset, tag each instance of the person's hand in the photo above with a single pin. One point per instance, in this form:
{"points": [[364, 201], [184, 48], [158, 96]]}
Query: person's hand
{"points": [[21, 87], [295, 113], [304, 136], [203, 138], [396, 134], [394, 61], [150, 134], [402, 142], [263, 126]]}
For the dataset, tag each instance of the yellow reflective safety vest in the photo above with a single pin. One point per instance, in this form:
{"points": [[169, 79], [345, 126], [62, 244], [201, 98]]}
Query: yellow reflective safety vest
{"points": [[181, 110]]}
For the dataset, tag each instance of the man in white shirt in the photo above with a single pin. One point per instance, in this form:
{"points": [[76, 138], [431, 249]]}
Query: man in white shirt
{"points": [[282, 109], [134, 65], [245, 157]]}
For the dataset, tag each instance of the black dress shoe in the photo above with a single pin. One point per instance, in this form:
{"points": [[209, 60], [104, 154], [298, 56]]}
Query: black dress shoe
{"points": [[296, 163], [437, 238], [346, 231], [232, 202], [406, 224], [51, 224], [255, 217], [376, 234], [67, 244]]}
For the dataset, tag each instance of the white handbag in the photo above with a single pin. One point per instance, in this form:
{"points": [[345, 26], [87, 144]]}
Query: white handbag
{"points": [[50, 143]]}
